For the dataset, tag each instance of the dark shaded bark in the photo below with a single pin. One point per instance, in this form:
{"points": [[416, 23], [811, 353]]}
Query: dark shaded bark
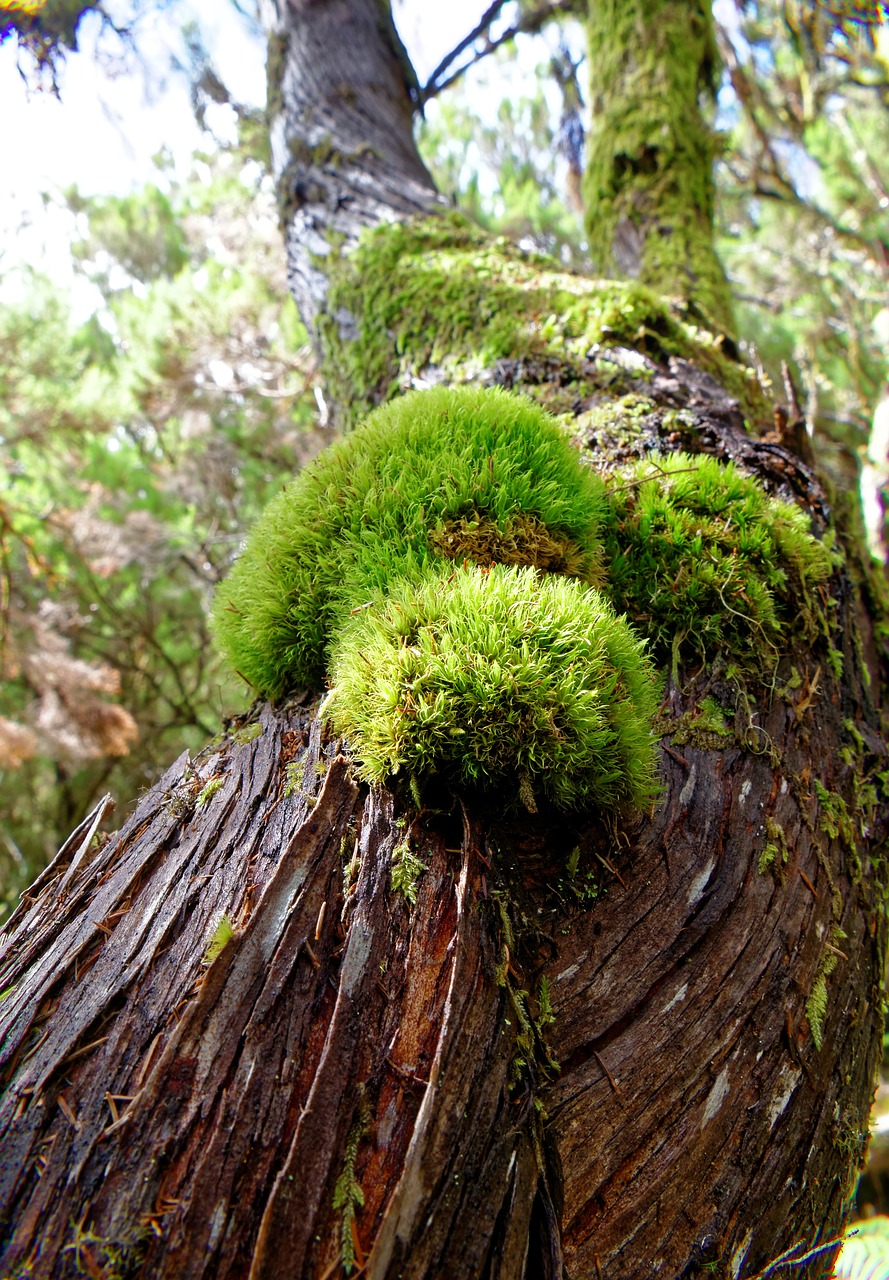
{"points": [[353, 1074]]}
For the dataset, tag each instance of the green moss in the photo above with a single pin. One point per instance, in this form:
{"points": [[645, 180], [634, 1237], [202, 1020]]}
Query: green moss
{"points": [[704, 727], [775, 853], [347, 1194], [816, 1005], [407, 869], [834, 818], [702, 559], [649, 189], [495, 678], [222, 936], [438, 291], [249, 733], [382, 503], [437, 566], [208, 790]]}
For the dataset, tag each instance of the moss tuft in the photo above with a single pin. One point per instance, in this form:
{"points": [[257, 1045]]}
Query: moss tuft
{"points": [[407, 869], [222, 936], [702, 559], [499, 679], [383, 503], [775, 853]]}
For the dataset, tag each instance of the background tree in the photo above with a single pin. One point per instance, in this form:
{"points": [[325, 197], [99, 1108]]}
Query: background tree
{"points": [[691, 970]]}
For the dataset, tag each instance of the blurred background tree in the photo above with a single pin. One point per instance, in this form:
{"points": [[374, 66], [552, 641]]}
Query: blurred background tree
{"points": [[141, 439]]}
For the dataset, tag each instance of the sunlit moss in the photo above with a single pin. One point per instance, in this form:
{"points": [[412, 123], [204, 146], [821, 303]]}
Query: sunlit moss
{"points": [[499, 679], [433, 467]]}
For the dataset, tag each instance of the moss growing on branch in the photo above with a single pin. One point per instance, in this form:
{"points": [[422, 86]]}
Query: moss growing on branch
{"points": [[649, 185], [429, 470], [438, 291], [439, 568], [499, 678], [699, 556]]}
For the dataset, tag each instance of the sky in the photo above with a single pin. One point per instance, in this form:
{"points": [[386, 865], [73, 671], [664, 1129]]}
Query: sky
{"points": [[106, 128], [104, 131]]}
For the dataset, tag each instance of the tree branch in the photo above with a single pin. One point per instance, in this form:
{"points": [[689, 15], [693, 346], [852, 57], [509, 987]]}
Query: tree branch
{"points": [[528, 24]]}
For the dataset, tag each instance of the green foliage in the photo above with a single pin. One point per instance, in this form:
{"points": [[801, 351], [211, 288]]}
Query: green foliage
{"points": [[496, 677], [147, 239], [137, 442], [699, 556], [528, 201], [804, 213], [385, 502]]}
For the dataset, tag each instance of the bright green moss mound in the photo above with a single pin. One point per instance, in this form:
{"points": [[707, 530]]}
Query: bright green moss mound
{"points": [[501, 678], [436, 475], [698, 555]]}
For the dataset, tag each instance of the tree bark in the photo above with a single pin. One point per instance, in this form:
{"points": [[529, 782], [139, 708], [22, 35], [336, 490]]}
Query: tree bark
{"points": [[340, 111], [530, 1071]]}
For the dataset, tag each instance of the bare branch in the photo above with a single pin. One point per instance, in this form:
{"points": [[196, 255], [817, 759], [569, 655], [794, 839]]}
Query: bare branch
{"points": [[528, 24]]}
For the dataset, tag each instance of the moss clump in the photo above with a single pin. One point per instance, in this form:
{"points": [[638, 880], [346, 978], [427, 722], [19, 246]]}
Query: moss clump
{"points": [[500, 678], [704, 727], [407, 869], [383, 503], [438, 291], [208, 790], [816, 1004], [701, 558], [222, 936]]}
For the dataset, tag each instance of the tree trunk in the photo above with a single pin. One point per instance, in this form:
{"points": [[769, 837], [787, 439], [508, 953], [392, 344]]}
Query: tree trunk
{"points": [[550, 1064], [649, 186]]}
